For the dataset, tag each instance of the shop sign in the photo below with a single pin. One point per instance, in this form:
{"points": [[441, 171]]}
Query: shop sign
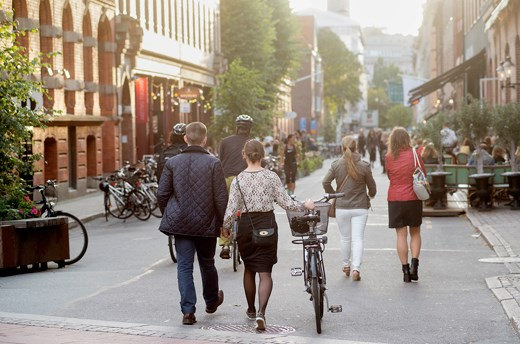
{"points": [[189, 92]]}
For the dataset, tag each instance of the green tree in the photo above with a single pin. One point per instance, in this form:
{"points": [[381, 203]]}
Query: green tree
{"points": [[240, 91], [287, 47], [474, 121], [341, 70], [430, 131], [398, 115], [506, 125], [377, 99], [262, 35], [384, 73], [17, 85]]}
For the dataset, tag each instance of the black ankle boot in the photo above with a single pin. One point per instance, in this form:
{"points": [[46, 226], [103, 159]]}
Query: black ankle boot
{"points": [[406, 273], [414, 269]]}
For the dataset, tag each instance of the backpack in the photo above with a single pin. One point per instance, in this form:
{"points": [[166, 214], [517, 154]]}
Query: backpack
{"points": [[167, 153]]}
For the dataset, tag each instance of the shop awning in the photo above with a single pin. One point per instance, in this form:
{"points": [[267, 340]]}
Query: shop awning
{"points": [[441, 80]]}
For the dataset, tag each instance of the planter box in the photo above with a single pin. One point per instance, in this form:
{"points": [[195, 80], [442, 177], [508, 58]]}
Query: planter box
{"points": [[33, 241]]}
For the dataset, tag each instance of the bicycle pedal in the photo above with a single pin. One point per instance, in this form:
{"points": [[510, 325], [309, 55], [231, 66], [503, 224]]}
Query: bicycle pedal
{"points": [[335, 309], [296, 271]]}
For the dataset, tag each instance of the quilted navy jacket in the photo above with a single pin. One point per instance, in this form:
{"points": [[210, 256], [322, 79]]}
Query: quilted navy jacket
{"points": [[192, 194]]}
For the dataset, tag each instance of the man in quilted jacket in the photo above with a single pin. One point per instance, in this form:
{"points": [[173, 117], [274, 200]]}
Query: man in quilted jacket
{"points": [[192, 196]]}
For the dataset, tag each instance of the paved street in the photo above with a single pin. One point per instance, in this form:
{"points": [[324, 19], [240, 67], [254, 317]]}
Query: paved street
{"points": [[124, 290]]}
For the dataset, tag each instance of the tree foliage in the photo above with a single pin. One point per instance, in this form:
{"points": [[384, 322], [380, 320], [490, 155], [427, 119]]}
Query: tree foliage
{"points": [[17, 85], [384, 73], [398, 116], [240, 91], [262, 36], [506, 125], [378, 100], [341, 70], [474, 121]]}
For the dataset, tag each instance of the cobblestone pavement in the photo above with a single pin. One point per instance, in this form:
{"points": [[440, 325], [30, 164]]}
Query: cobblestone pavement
{"points": [[500, 227]]}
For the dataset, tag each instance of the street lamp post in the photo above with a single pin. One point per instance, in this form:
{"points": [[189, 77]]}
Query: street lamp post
{"points": [[504, 71]]}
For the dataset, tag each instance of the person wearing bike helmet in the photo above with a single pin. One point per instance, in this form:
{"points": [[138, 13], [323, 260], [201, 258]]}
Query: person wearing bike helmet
{"points": [[230, 154], [176, 146]]}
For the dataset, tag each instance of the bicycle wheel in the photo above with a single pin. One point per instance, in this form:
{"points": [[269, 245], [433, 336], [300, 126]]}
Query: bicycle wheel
{"points": [[171, 248], [152, 191], [235, 253], [78, 238], [140, 204], [236, 256], [317, 295], [117, 206]]}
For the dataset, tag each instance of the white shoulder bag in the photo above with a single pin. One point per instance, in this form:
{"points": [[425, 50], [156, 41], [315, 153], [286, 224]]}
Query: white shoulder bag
{"points": [[421, 187]]}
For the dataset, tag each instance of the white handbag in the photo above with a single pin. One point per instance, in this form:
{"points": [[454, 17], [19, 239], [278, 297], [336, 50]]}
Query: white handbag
{"points": [[421, 187]]}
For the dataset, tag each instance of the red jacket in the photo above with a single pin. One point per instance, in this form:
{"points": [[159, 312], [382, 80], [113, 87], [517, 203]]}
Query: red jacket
{"points": [[400, 172]]}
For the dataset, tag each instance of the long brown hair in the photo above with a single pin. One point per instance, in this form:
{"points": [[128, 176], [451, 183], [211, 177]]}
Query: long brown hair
{"points": [[399, 140], [349, 146]]}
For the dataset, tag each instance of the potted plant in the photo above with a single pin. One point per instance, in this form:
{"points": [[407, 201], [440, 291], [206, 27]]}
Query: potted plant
{"points": [[506, 125], [18, 84], [473, 121]]}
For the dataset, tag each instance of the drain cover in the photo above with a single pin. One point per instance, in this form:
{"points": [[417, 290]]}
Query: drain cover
{"points": [[500, 260], [269, 329]]}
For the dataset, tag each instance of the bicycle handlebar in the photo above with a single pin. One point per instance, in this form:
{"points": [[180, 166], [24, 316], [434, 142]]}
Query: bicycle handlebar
{"points": [[330, 196]]}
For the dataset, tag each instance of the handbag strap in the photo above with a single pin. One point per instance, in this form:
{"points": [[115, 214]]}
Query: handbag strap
{"points": [[342, 184], [245, 205], [244, 200], [416, 160]]}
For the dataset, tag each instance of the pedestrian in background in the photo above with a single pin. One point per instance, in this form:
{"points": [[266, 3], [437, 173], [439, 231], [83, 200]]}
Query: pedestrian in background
{"points": [[177, 144], [404, 208], [372, 143], [289, 156], [253, 193], [233, 163], [361, 142], [192, 197], [352, 209]]}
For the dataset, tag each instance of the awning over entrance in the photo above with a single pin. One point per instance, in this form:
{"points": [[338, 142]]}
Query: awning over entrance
{"points": [[450, 76]]}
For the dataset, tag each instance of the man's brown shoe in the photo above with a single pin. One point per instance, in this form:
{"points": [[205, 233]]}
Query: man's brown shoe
{"points": [[189, 319], [213, 308]]}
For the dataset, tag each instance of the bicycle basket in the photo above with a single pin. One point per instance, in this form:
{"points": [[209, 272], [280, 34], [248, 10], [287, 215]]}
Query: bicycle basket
{"points": [[301, 228]]}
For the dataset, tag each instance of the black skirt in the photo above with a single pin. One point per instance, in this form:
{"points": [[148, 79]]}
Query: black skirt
{"points": [[404, 213], [257, 258]]}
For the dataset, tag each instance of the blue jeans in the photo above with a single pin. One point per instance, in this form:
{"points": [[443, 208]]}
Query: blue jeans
{"points": [[185, 247]]}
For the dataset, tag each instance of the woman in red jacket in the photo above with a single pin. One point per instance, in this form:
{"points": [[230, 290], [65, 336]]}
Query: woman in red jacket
{"points": [[404, 208]]}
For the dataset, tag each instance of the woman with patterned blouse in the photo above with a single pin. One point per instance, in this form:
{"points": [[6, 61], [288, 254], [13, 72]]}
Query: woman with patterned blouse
{"points": [[253, 193]]}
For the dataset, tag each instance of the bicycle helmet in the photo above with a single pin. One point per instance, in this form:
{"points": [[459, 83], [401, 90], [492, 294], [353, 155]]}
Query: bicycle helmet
{"points": [[179, 129], [244, 121], [103, 186]]}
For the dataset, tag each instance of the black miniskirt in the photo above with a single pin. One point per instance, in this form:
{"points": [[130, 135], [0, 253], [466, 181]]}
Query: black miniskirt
{"points": [[405, 213]]}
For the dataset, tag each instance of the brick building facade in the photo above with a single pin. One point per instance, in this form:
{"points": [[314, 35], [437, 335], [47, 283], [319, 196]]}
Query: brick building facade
{"points": [[124, 74]]}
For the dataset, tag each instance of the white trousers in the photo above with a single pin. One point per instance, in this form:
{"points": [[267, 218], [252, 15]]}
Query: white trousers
{"points": [[351, 224]]}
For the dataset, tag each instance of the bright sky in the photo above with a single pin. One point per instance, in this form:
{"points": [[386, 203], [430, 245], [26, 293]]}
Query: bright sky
{"points": [[396, 16]]}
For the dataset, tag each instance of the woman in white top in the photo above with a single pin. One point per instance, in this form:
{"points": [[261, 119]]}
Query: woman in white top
{"points": [[253, 193]]}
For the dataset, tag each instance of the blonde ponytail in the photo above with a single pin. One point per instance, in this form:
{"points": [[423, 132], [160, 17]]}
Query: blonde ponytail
{"points": [[348, 145]]}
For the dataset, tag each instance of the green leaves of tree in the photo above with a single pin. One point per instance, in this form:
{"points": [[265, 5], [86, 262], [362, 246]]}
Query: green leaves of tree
{"points": [[259, 40], [341, 69]]}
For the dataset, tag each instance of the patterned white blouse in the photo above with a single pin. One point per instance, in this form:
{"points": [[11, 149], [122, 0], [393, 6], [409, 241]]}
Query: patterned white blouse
{"points": [[260, 189]]}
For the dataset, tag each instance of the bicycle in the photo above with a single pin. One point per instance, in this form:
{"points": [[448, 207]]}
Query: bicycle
{"points": [[78, 236], [311, 227], [171, 248], [234, 252]]}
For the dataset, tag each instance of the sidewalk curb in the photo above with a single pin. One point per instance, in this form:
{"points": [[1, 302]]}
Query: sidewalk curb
{"points": [[508, 296], [501, 286]]}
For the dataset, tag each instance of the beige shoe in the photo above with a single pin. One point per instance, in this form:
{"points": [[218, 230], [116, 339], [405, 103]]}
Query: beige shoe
{"points": [[346, 270], [356, 276]]}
